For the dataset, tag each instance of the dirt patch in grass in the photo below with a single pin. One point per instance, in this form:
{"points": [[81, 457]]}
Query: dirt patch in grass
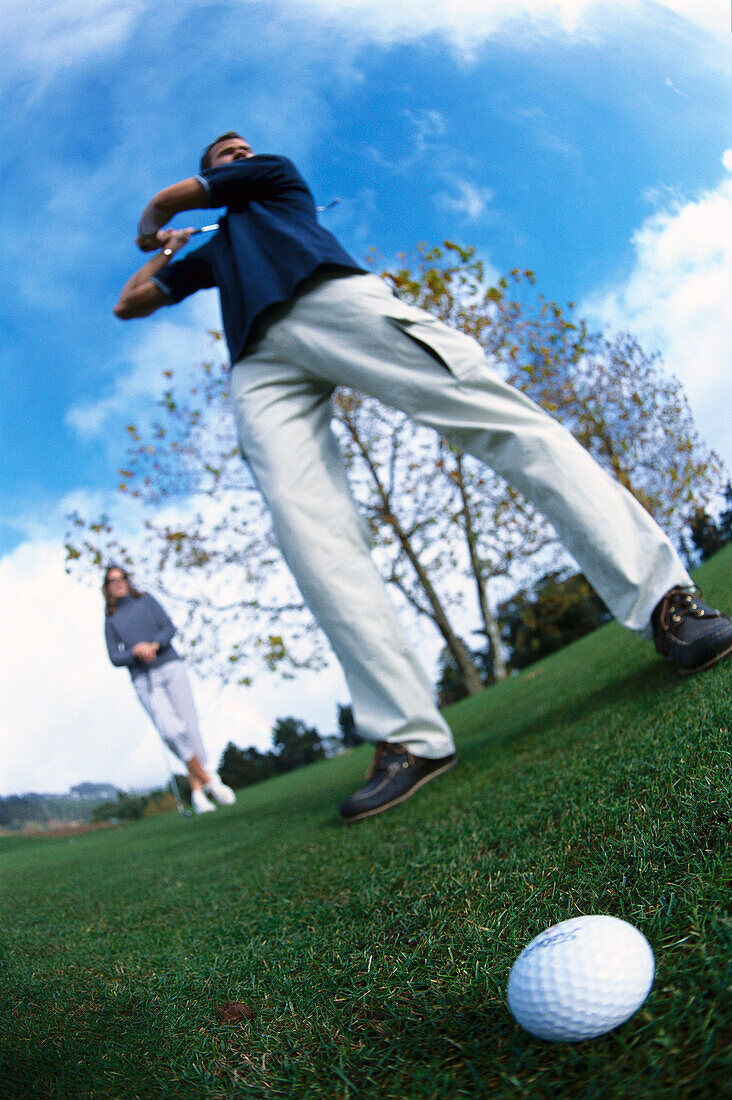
{"points": [[69, 829]]}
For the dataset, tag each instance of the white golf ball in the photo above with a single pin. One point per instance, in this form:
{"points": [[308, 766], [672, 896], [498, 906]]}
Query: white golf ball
{"points": [[581, 978]]}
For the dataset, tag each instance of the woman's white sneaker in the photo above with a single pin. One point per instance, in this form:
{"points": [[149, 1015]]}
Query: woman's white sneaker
{"points": [[220, 792], [200, 803]]}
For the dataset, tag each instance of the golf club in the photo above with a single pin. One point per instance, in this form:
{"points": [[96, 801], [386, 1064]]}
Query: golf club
{"points": [[211, 228], [176, 795]]}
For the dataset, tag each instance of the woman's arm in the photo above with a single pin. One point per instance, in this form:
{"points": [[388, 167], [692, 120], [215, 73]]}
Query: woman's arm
{"points": [[166, 630], [119, 655]]}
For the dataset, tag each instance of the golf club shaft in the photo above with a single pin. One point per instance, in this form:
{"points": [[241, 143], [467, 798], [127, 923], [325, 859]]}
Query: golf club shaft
{"points": [[176, 795], [211, 228]]}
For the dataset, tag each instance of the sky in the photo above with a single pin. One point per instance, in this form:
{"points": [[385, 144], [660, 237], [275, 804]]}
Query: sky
{"points": [[588, 141]]}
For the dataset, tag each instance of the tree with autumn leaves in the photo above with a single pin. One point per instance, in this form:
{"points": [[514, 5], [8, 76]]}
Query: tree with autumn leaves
{"points": [[447, 533]]}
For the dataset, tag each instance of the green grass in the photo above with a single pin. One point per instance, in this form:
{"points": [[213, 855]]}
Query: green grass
{"points": [[376, 956]]}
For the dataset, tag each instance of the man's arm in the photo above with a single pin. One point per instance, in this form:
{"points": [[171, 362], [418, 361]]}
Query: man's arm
{"points": [[189, 194], [140, 296]]}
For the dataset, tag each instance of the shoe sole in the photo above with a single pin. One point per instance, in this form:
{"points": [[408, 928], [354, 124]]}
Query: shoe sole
{"points": [[700, 668], [402, 797]]}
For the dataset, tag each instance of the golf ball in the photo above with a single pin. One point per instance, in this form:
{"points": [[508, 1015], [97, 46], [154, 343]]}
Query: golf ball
{"points": [[580, 978]]}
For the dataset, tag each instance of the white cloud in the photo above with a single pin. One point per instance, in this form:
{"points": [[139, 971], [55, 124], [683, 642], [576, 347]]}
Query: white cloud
{"points": [[66, 715], [710, 15], [677, 300], [467, 24], [670, 84], [470, 200], [429, 126], [41, 39], [426, 129], [69, 715], [44, 37], [178, 343]]}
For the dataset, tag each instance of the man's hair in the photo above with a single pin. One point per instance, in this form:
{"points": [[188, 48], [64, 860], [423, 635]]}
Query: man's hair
{"points": [[206, 157]]}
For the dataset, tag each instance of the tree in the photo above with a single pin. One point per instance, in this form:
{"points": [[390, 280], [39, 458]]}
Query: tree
{"points": [[614, 398], [450, 687], [127, 807], [709, 535], [347, 726], [296, 744], [725, 519], [243, 767], [403, 509], [617, 400], [434, 514], [205, 537], [550, 614]]}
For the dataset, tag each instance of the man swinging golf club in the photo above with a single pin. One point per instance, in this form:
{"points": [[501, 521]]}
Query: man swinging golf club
{"points": [[302, 317]]}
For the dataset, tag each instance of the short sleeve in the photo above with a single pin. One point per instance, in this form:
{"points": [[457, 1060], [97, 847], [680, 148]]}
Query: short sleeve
{"points": [[184, 277], [235, 184]]}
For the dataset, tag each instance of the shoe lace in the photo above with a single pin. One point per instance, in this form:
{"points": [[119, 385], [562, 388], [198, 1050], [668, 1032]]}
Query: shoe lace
{"points": [[677, 605]]}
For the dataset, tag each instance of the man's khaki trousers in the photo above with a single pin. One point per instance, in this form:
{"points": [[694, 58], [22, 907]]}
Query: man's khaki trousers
{"points": [[352, 331]]}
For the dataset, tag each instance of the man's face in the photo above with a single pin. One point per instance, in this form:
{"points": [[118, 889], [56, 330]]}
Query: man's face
{"points": [[229, 150]]}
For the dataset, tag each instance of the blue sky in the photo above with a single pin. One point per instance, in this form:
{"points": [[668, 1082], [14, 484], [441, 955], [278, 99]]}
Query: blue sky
{"points": [[590, 142]]}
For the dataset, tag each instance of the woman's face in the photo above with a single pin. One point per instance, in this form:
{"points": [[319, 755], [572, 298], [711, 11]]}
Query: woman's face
{"points": [[117, 584]]}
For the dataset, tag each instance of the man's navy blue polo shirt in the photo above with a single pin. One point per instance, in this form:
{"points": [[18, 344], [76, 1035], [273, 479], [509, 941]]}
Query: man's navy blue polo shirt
{"points": [[267, 245]]}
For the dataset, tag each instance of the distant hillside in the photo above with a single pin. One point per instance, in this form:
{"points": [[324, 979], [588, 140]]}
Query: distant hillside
{"points": [[32, 810]]}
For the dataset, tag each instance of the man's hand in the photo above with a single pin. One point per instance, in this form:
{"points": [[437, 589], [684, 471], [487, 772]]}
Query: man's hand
{"points": [[152, 242], [165, 238], [187, 195], [140, 296]]}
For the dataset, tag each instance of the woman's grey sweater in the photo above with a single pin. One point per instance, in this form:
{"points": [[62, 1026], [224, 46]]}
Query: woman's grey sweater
{"points": [[139, 619]]}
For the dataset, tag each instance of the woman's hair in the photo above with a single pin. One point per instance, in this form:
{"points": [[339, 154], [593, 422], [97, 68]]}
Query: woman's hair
{"points": [[110, 601], [206, 156]]}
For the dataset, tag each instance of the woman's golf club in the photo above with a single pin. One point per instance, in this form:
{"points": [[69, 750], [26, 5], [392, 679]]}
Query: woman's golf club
{"points": [[176, 795]]}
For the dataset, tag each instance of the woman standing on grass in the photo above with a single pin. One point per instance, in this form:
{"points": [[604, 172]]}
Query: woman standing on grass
{"points": [[138, 634]]}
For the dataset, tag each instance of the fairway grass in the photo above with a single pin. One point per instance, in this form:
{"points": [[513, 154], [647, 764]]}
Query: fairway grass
{"points": [[375, 956]]}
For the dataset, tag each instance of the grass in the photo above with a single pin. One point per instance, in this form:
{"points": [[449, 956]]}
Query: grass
{"points": [[376, 956]]}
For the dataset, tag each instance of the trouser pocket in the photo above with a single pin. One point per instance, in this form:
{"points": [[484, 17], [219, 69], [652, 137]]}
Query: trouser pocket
{"points": [[458, 353]]}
